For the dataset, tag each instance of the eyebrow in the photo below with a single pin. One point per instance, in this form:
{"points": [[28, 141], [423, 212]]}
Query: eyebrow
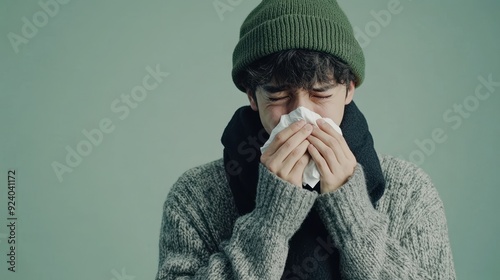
{"points": [[275, 89], [324, 88]]}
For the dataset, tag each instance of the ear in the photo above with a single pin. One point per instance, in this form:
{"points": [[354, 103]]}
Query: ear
{"points": [[350, 93], [253, 102]]}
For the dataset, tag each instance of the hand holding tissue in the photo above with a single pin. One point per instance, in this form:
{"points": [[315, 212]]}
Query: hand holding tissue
{"points": [[311, 174]]}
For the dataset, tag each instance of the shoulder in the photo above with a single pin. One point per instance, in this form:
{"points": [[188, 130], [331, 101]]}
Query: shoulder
{"points": [[402, 171], [408, 186], [199, 181], [209, 173]]}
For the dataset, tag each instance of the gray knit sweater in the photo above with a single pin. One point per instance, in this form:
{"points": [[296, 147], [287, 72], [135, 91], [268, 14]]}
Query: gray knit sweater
{"points": [[404, 237]]}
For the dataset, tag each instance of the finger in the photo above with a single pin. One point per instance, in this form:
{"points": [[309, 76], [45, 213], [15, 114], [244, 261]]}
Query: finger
{"points": [[345, 147], [283, 135], [330, 155], [293, 157], [326, 133], [323, 167], [298, 169], [295, 140]]}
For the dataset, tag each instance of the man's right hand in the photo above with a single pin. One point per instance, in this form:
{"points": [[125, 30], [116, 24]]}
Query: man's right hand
{"points": [[287, 154]]}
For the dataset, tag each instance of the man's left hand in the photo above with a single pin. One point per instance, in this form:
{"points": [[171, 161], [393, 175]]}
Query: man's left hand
{"points": [[332, 156]]}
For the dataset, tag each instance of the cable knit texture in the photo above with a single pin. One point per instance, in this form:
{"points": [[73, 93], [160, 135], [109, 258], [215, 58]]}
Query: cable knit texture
{"points": [[404, 236]]}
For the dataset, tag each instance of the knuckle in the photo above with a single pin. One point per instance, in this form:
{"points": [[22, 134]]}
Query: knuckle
{"points": [[263, 158], [305, 131], [295, 152], [332, 142], [279, 137], [272, 167], [287, 145], [329, 153]]}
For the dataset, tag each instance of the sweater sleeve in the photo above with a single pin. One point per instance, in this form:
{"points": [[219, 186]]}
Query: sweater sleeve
{"points": [[257, 247], [414, 246]]}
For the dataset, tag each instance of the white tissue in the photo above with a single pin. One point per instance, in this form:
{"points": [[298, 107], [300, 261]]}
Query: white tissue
{"points": [[311, 172]]}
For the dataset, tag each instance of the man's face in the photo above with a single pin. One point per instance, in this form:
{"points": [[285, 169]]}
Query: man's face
{"points": [[327, 100]]}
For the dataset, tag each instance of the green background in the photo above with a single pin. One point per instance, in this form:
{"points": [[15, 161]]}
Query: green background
{"points": [[102, 221]]}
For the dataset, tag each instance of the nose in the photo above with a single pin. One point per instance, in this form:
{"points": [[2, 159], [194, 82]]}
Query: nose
{"points": [[300, 98]]}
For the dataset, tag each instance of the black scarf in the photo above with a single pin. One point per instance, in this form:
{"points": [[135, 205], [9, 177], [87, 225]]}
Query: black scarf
{"points": [[242, 139]]}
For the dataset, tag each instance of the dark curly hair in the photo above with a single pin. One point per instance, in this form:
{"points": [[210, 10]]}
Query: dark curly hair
{"points": [[296, 68]]}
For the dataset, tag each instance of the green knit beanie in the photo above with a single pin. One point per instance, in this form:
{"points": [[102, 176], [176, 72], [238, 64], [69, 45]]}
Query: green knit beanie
{"points": [[277, 25]]}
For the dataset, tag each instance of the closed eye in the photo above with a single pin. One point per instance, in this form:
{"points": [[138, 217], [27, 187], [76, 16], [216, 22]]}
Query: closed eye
{"points": [[323, 97]]}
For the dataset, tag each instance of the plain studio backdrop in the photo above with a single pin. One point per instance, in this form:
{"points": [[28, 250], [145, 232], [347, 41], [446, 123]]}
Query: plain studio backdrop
{"points": [[104, 104]]}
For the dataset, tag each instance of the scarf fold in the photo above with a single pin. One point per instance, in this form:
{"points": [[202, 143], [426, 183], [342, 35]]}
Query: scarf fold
{"points": [[242, 139]]}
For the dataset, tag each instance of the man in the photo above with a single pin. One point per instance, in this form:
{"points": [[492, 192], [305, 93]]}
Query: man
{"points": [[248, 215]]}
